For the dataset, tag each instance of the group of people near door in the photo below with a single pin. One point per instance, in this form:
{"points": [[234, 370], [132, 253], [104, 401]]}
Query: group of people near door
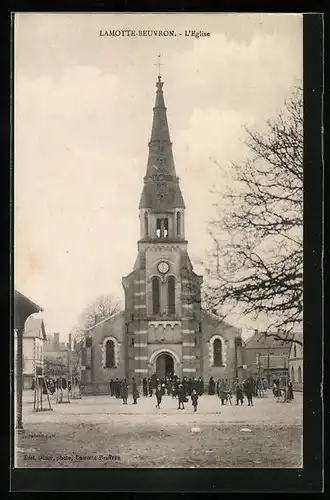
{"points": [[168, 385], [180, 389]]}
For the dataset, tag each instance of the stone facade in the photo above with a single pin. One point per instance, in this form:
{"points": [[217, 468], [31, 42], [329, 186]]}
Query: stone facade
{"points": [[137, 350], [162, 329]]}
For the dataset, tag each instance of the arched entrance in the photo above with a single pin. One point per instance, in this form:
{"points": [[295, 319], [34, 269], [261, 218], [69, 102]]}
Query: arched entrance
{"points": [[164, 361], [164, 365]]}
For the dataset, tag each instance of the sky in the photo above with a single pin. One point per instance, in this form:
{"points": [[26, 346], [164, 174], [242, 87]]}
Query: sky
{"points": [[82, 122]]}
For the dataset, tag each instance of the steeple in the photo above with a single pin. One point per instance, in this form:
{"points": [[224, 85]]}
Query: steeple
{"points": [[161, 191]]}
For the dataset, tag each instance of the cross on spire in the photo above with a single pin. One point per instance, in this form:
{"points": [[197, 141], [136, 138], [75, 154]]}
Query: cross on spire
{"points": [[159, 64]]}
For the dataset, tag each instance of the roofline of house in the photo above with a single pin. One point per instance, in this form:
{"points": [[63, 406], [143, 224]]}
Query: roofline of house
{"points": [[271, 335], [220, 320], [103, 321], [30, 302]]}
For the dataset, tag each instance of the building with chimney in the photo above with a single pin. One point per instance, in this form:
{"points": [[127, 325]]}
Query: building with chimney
{"points": [[162, 329], [61, 359], [267, 357]]}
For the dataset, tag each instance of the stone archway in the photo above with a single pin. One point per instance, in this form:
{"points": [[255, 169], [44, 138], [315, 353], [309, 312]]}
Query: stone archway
{"points": [[164, 365], [165, 361]]}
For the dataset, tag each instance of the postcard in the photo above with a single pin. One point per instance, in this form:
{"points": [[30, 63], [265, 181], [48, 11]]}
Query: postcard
{"points": [[158, 228]]}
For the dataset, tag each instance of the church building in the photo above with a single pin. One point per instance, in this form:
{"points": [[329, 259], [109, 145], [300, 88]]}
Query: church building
{"points": [[163, 329]]}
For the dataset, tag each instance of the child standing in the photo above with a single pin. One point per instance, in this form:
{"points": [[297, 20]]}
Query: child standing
{"points": [[194, 399], [159, 395]]}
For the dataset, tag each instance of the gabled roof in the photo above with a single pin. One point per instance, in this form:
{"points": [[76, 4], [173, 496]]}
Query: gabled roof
{"points": [[259, 339], [33, 327], [104, 320], [20, 298], [217, 319]]}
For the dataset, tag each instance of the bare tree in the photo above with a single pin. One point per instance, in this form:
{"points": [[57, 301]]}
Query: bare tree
{"points": [[256, 266], [101, 308]]}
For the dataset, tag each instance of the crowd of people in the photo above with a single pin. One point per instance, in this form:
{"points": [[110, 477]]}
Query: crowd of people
{"points": [[283, 390], [182, 389]]}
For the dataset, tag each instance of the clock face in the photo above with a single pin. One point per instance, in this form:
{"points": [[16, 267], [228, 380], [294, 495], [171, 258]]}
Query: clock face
{"points": [[163, 267]]}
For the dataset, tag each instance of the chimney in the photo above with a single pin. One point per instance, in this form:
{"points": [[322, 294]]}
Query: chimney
{"points": [[56, 340], [70, 342]]}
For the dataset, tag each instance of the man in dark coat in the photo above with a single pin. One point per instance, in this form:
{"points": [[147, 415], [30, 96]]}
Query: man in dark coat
{"points": [[117, 388], [168, 383], [194, 399], [124, 391], [239, 392], [222, 391], [145, 387], [154, 380], [159, 395], [182, 397], [135, 391], [211, 386], [150, 387], [248, 389], [175, 388], [112, 388], [290, 391]]}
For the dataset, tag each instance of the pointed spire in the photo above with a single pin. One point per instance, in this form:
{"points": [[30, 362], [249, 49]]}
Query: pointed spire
{"points": [[161, 174], [159, 94]]}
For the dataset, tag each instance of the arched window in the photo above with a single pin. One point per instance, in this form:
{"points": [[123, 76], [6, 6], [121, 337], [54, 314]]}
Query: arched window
{"points": [[171, 295], [146, 224], [110, 354], [155, 296], [294, 351], [299, 375], [217, 352], [162, 228], [292, 374], [178, 224]]}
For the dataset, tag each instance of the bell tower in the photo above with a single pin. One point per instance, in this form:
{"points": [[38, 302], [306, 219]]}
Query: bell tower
{"points": [[161, 204], [162, 294]]}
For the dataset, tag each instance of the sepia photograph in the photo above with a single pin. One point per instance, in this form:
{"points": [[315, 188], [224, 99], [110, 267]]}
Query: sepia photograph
{"points": [[158, 240]]}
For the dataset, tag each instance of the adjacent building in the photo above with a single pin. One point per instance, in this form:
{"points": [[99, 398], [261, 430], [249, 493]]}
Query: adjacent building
{"points": [[162, 329], [296, 362], [267, 357], [61, 360], [34, 339]]}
